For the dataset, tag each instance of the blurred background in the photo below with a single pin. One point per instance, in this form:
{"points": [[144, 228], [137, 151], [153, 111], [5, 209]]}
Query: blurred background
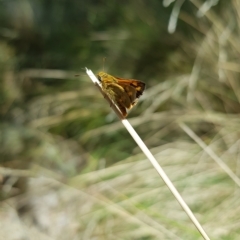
{"points": [[69, 170]]}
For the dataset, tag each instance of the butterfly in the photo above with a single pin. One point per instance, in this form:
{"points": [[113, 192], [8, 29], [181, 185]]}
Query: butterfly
{"points": [[123, 92]]}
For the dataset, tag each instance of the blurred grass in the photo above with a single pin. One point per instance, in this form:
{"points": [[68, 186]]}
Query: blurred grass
{"points": [[68, 168]]}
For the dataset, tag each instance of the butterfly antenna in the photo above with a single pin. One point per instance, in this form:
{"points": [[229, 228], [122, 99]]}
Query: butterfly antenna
{"points": [[77, 75]]}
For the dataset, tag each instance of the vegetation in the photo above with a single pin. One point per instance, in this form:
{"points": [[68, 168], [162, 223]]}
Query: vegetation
{"points": [[69, 170]]}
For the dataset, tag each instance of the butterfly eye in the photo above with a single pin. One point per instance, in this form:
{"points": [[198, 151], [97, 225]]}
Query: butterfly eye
{"points": [[99, 78]]}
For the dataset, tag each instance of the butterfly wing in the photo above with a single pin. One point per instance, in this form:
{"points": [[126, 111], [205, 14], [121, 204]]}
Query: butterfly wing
{"points": [[117, 93], [139, 86], [130, 91]]}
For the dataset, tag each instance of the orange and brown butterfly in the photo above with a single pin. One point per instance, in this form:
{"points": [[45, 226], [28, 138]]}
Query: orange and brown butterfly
{"points": [[123, 92]]}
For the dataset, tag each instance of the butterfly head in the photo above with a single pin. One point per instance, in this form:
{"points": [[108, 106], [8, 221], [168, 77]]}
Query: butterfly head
{"points": [[101, 76]]}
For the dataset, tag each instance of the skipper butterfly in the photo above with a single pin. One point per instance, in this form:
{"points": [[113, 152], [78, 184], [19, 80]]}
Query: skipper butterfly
{"points": [[123, 92]]}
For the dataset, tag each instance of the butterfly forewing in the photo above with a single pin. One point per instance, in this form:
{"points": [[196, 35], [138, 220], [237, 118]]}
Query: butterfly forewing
{"points": [[139, 86]]}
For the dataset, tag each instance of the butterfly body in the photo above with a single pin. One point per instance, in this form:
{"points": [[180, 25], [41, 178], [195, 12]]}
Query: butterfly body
{"points": [[123, 92]]}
